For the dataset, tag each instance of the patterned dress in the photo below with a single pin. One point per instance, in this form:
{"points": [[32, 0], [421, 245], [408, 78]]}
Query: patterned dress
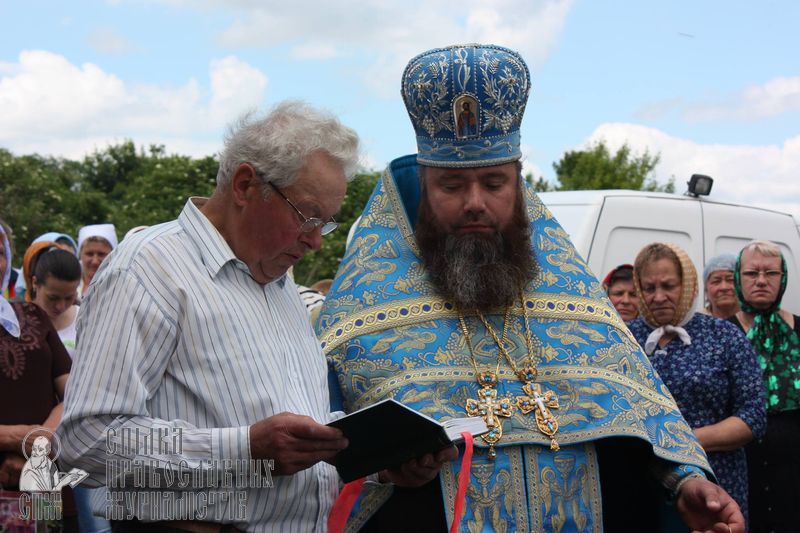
{"points": [[714, 377]]}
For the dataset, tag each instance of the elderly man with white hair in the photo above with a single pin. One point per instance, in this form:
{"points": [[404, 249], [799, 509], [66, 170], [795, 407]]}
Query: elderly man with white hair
{"points": [[193, 330]]}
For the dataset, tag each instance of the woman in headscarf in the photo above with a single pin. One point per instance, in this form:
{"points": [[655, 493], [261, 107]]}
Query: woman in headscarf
{"points": [[53, 275], [707, 365], [619, 286], [774, 461], [95, 242], [34, 367], [718, 280], [62, 240]]}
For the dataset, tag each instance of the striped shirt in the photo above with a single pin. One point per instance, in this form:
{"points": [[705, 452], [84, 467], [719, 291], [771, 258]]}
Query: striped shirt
{"points": [[176, 335]]}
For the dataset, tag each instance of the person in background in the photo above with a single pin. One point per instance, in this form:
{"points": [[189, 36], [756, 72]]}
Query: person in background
{"points": [[54, 287], [54, 274], [10, 291], [34, 368], [774, 462], [62, 240], [36, 249], [619, 286], [134, 230], [40, 243], [95, 242], [323, 286], [707, 365], [721, 300]]}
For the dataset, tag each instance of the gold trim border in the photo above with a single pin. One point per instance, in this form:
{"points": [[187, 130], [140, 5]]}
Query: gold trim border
{"points": [[416, 310]]}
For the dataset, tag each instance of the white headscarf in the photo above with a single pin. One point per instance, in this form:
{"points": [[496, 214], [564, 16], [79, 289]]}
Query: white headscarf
{"points": [[8, 318], [105, 231]]}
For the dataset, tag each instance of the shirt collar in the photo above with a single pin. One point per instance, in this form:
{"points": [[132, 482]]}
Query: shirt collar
{"points": [[214, 250]]}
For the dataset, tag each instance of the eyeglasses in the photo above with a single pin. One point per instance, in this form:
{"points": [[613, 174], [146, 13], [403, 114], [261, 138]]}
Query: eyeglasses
{"points": [[769, 275], [309, 224]]}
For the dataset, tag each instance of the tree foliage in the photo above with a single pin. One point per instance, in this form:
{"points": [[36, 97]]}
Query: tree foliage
{"points": [[130, 187], [119, 184], [596, 168]]}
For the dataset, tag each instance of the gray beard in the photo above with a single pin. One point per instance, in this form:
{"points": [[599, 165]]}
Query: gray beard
{"points": [[473, 272]]}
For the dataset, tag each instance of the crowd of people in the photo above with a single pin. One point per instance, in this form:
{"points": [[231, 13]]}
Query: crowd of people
{"points": [[658, 416], [736, 386]]}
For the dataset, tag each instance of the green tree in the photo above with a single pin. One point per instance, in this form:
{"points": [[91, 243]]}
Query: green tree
{"points": [[324, 262], [158, 188], [37, 195], [596, 168], [539, 184]]}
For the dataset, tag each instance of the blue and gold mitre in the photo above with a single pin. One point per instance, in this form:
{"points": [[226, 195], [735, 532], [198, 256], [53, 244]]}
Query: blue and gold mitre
{"points": [[466, 104]]}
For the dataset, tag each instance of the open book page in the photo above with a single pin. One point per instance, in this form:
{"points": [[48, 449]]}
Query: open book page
{"points": [[473, 425]]}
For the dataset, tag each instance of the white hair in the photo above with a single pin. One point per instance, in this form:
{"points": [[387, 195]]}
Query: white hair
{"points": [[279, 144]]}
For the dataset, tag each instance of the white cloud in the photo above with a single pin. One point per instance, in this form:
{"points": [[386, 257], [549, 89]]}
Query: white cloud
{"points": [[395, 30], [52, 106], [764, 176], [108, 41], [235, 85], [775, 97]]}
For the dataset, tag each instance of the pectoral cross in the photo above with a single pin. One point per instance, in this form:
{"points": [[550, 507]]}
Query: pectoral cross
{"points": [[534, 400], [490, 408]]}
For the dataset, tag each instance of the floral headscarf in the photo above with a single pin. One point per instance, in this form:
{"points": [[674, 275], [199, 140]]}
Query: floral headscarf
{"points": [[8, 318], [29, 264], [684, 311], [777, 346]]}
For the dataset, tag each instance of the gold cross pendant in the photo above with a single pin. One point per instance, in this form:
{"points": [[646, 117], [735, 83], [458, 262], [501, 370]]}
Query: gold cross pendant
{"points": [[541, 403], [490, 408]]}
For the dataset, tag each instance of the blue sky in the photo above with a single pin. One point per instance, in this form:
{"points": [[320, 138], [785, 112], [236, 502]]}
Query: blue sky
{"points": [[712, 86]]}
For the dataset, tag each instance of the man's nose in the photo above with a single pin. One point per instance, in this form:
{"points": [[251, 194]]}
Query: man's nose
{"points": [[312, 239], [474, 201]]}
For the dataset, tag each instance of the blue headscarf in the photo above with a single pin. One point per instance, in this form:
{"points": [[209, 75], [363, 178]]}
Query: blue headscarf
{"points": [[8, 318]]}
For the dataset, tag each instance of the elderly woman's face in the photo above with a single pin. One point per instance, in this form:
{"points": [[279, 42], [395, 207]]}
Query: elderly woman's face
{"points": [[761, 278], [720, 290], [661, 289], [623, 295]]}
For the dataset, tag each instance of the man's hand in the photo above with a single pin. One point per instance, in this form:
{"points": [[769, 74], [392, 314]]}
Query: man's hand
{"points": [[11, 469], [707, 508], [419, 471], [295, 442]]}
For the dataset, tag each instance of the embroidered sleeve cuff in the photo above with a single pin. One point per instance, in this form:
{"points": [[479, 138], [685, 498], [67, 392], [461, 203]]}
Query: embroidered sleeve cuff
{"points": [[673, 477]]}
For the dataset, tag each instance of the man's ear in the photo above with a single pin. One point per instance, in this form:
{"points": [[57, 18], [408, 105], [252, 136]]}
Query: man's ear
{"points": [[245, 184]]}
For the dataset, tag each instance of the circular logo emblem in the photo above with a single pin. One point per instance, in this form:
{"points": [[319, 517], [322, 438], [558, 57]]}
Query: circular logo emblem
{"points": [[54, 443]]}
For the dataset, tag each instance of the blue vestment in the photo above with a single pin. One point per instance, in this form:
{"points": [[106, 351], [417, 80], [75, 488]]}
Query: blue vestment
{"points": [[387, 334]]}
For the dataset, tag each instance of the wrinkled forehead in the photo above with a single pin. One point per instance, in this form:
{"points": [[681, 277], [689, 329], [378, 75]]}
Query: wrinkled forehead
{"points": [[752, 257]]}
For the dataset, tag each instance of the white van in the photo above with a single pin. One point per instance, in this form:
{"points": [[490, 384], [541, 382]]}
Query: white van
{"points": [[610, 227]]}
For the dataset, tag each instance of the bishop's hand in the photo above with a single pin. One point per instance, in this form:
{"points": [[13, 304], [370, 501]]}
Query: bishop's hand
{"points": [[707, 508], [418, 471]]}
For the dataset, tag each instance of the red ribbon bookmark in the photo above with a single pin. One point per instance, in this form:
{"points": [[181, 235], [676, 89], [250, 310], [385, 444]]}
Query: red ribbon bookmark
{"points": [[463, 482], [337, 519], [343, 505]]}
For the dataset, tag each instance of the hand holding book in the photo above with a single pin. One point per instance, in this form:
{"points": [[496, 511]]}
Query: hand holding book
{"points": [[389, 436]]}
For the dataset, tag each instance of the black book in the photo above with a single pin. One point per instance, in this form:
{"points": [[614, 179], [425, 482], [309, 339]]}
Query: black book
{"points": [[388, 434]]}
